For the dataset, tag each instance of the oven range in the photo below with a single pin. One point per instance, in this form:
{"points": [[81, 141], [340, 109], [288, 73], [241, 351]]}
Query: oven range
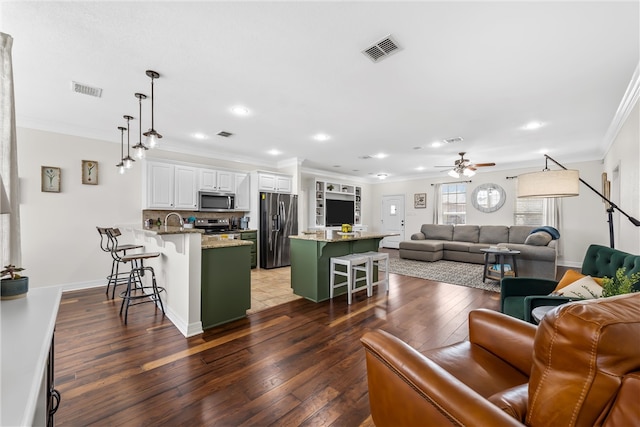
{"points": [[215, 226]]}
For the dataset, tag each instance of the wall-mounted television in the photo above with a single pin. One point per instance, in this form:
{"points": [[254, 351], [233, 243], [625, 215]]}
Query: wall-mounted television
{"points": [[339, 212]]}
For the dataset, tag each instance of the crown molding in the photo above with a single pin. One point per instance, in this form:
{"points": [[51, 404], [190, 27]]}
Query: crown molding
{"points": [[627, 104]]}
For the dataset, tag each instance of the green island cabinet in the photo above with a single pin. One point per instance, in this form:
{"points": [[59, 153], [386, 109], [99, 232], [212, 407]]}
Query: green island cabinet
{"points": [[252, 236], [226, 284], [310, 264]]}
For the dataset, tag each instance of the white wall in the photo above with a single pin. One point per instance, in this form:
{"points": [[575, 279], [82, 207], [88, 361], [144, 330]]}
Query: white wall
{"points": [[621, 165], [60, 244], [583, 216]]}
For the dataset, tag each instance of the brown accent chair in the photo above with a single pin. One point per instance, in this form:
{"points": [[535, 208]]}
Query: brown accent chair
{"points": [[580, 367]]}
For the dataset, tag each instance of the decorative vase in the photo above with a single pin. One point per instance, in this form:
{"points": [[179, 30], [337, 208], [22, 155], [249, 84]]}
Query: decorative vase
{"points": [[14, 288]]}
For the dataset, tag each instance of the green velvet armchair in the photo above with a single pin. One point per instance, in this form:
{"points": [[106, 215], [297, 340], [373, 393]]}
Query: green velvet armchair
{"points": [[520, 295]]}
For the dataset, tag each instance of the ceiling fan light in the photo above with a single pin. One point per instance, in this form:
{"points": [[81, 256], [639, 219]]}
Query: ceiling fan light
{"points": [[468, 172], [453, 173]]}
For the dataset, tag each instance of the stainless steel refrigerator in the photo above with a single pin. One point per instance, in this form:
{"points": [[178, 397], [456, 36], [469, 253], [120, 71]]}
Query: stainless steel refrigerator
{"points": [[278, 221]]}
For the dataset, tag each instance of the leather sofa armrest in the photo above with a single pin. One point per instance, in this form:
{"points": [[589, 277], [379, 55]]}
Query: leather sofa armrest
{"points": [[406, 388], [418, 236], [508, 338]]}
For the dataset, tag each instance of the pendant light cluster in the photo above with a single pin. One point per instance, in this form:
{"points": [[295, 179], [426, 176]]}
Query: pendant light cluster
{"points": [[152, 136]]}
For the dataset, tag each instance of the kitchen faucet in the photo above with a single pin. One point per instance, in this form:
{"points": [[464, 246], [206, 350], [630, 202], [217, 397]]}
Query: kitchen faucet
{"points": [[166, 218]]}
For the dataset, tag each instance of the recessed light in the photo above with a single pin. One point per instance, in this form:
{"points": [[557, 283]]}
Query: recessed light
{"points": [[199, 135], [380, 155], [239, 110], [274, 152], [321, 137], [420, 168], [532, 126], [436, 144], [382, 175]]}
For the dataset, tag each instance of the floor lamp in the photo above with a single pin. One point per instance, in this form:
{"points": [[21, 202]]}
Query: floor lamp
{"points": [[563, 183]]}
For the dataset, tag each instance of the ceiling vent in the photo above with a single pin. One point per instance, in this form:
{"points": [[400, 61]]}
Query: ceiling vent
{"points": [[380, 50], [86, 89], [224, 134], [452, 140]]}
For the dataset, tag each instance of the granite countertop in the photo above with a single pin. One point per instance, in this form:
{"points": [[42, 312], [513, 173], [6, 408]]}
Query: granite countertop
{"points": [[211, 242], [163, 229], [336, 236]]}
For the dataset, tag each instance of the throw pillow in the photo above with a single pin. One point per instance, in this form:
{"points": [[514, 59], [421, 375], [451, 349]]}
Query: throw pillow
{"points": [[539, 238], [571, 276], [585, 288]]}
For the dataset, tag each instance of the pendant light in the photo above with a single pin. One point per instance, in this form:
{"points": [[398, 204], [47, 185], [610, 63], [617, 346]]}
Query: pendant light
{"points": [[139, 150], [128, 161], [151, 134], [120, 165]]}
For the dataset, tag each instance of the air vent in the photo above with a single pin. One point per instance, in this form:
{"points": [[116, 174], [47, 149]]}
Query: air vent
{"points": [[224, 134], [86, 90], [380, 50], [452, 140], [364, 157]]}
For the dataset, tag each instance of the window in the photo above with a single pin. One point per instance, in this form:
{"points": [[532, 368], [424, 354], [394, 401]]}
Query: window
{"points": [[453, 203], [528, 211]]}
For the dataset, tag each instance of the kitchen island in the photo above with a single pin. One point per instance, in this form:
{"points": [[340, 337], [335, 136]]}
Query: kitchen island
{"points": [[179, 269], [311, 254]]}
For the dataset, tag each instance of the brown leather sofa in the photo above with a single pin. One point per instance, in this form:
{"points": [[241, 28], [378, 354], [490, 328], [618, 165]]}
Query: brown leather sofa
{"points": [[580, 367]]}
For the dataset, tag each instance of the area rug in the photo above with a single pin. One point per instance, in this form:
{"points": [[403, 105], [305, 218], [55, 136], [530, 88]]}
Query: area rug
{"points": [[456, 273]]}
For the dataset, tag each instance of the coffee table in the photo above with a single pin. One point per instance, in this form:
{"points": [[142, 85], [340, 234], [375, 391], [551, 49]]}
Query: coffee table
{"points": [[500, 256]]}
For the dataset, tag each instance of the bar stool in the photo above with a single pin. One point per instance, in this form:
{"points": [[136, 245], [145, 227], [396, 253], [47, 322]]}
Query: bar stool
{"points": [[377, 259], [115, 277], [353, 264], [136, 291]]}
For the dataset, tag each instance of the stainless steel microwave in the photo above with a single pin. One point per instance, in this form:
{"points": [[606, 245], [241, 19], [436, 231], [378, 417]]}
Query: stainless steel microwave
{"points": [[216, 202]]}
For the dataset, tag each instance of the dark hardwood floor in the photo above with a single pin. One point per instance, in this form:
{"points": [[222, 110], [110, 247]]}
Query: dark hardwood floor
{"points": [[298, 363]]}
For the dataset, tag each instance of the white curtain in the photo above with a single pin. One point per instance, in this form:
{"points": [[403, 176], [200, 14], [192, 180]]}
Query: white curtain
{"points": [[551, 215], [437, 204], [9, 222]]}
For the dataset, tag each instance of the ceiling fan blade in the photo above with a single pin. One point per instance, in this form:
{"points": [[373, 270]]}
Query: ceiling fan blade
{"points": [[478, 165], [471, 167]]}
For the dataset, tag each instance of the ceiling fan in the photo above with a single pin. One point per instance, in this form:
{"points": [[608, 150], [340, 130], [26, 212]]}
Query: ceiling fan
{"points": [[463, 166]]}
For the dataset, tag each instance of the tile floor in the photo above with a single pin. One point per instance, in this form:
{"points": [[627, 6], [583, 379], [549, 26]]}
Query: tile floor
{"points": [[270, 287]]}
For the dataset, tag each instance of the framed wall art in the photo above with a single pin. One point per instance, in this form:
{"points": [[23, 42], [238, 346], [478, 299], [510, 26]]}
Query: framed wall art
{"points": [[90, 172], [420, 200], [50, 179]]}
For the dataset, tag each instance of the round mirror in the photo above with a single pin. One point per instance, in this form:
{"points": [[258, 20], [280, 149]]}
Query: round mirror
{"points": [[488, 197]]}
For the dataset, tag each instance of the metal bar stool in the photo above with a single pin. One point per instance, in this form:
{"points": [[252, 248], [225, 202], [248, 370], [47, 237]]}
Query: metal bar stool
{"points": [[136, 292], [115, 277], [378, 259], [353, 264]]}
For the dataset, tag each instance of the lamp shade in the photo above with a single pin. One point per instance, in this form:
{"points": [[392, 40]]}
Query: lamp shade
{"points": [[549, 183]]}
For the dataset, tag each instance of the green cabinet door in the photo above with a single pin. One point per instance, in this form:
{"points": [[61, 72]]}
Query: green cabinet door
{"points": [[226, 284]]}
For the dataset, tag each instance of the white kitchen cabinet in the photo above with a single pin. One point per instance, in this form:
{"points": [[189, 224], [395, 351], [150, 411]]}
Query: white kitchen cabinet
{"points": [[214, 180], [242, 190], [185, 194], [275, 183], [171, 186], [160, 185]]}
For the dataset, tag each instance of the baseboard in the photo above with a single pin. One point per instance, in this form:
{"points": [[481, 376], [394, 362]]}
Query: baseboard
{"points": [[82, 285], [185, 328]]}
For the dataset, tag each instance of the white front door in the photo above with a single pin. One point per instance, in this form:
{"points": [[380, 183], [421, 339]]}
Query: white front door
{"points": [[392, 217]]}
